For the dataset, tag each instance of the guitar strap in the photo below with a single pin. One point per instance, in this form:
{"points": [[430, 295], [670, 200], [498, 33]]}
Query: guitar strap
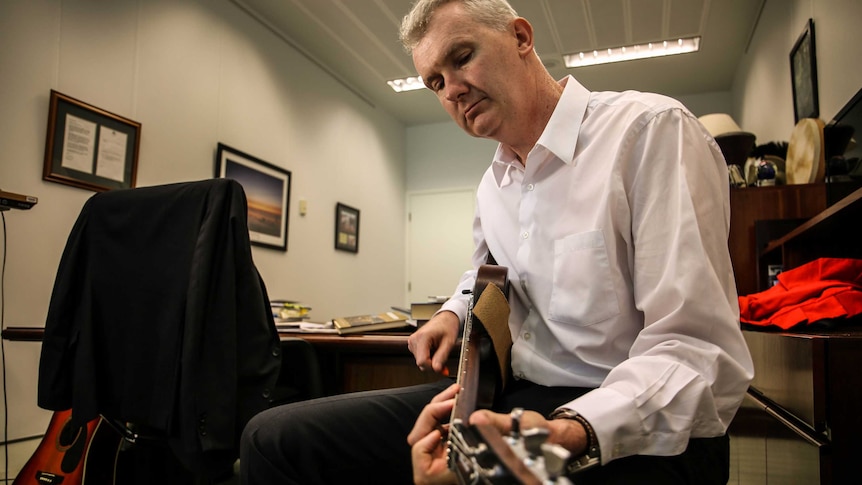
{"points": [[492, 310]]}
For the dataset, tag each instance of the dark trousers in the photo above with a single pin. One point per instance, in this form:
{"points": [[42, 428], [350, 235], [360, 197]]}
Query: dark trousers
{"points": [[362, 438]]}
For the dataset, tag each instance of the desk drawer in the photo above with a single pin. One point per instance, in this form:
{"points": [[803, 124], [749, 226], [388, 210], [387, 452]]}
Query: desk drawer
{"points": [[789, 371]]}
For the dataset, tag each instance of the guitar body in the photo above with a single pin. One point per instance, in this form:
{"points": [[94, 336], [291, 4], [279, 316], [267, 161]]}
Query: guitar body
{"points": [[60, 456]]}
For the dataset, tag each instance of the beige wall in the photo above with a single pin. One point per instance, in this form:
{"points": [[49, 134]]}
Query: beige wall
{"points": [[762, 94], [194, 73]]}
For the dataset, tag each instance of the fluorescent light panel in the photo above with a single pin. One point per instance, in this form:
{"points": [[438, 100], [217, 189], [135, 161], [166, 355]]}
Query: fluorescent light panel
{"points": [[604, 56], [407, 84], [632, 52]]}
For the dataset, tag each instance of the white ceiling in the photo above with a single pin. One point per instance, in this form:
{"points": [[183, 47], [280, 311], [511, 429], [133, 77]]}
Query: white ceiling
{"points": [[356, 41]]}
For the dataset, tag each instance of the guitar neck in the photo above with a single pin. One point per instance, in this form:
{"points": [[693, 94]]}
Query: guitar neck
{"points": [[468, 373], [478, 385]]}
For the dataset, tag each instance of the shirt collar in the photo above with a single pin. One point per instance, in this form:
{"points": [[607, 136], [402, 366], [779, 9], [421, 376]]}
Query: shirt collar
{"points": [[560, 135]]}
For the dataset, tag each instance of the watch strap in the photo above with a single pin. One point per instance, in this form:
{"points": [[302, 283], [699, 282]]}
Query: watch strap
{"points": [[593, 455]]}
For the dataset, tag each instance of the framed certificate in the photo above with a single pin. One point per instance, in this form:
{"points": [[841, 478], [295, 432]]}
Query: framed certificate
{"points": [[89, 147]]}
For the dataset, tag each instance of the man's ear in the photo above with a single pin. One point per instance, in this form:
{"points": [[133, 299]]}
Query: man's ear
{"points": [[524, 35]]}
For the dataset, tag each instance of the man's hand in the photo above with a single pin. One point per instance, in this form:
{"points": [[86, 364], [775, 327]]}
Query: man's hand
{"points": [[430, 463], [432, 342], [567, 433]]}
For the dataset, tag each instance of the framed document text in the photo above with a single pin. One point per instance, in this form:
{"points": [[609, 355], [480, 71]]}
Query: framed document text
{"points": [[89, 147]]}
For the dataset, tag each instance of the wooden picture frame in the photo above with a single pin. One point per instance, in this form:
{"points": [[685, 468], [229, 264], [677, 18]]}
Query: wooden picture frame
{"points": [[346, 228], [267, 191], [88, 147], [803, 75]]}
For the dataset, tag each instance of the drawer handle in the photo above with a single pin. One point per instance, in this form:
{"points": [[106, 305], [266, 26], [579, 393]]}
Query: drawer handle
{"points": [[787, 419]]}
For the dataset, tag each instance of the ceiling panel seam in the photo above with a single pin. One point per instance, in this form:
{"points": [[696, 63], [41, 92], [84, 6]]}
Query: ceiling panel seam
{"points": [[372, 37], [555, 34], [591, 31], [627, 22], [301, 50]]}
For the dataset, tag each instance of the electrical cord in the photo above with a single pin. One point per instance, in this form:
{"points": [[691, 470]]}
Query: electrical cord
{"points": [[3, 351]]}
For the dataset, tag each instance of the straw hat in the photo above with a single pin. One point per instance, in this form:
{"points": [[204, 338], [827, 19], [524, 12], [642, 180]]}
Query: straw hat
{"points": [[735, 144]]}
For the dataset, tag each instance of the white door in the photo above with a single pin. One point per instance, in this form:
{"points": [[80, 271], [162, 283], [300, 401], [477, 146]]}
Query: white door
{"points": [[439, 242]]}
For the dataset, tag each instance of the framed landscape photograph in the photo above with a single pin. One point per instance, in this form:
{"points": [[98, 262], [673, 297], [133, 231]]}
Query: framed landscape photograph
{"points": [[803, 73], [89, 147], [267, 190], [346, 228]]}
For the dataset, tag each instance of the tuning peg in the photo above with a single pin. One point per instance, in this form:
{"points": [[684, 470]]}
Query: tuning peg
{"points": [[533, 440], [556, 458]]}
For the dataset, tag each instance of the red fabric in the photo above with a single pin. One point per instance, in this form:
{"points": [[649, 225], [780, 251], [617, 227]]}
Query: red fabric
{"points": [[823, 288]]}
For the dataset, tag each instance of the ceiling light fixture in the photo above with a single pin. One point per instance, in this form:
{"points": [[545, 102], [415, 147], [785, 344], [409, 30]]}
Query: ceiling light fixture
{"points": [[631, 52], [407, 84]]}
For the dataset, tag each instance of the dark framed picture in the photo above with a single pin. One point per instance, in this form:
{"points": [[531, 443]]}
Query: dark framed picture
{"points": [[89, 147], [803, 73], [267, 190], [346, 228]]}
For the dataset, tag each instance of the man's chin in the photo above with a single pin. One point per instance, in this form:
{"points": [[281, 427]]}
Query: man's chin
{"points": [[479, 130]]}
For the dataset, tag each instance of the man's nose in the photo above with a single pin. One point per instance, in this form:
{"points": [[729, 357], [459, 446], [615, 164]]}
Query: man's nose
{"points": [[455, 88]]}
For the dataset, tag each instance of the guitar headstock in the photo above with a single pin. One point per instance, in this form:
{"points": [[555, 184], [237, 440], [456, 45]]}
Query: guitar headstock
{"points": [[481, 454]]}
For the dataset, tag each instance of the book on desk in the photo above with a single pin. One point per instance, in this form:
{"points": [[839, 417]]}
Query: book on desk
{"points": [[370, 323], [422, 311]]}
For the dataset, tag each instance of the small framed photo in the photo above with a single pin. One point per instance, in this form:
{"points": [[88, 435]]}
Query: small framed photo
{"points": [[267, 190], [346, 228], [89, 147], [803, 73]]}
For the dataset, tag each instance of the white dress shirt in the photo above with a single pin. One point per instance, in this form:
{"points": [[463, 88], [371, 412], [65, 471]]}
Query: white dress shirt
{"points": [[615, 236]]}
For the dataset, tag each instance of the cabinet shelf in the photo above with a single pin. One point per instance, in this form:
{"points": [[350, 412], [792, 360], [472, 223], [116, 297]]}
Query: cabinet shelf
{"points": [[834, 233]]}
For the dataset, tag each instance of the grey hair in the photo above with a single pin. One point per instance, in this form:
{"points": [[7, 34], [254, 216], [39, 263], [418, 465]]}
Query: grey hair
{"points": [[496, 14]]}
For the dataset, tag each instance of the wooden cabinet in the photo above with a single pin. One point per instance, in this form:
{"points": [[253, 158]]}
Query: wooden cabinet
{"points": [[751, 205], [802, 419]]}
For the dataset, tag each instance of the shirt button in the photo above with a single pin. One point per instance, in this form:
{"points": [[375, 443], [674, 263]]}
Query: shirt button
{"points": [[525, 235], [530, 187], [527, 335]]}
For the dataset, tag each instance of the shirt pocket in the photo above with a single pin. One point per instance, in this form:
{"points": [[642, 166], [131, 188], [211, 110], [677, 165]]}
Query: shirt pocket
{"points": [[583, 292]]}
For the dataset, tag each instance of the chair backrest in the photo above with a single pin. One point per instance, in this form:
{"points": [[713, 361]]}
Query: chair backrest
{"points": [[159, 318]]}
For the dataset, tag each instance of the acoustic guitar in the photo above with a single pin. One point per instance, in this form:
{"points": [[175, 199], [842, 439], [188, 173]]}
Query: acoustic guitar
{"points": [[73, 455], [59, 458], [481, 454]]}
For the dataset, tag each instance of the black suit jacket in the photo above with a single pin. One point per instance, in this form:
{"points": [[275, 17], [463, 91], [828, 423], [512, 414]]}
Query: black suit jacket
{"points": [[159, 318]]}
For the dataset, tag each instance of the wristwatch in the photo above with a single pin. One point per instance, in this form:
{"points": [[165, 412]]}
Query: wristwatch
{"points": [[593, 455]]}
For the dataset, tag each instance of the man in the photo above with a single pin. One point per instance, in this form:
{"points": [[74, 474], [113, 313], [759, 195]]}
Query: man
{"points": [[610, 211]]}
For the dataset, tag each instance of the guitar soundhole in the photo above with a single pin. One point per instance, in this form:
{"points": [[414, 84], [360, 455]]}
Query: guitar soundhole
{"points": [[68, 435]]}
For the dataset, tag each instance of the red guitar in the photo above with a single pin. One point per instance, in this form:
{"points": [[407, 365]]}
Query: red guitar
{"points": [[73, 455], [60, 456]]}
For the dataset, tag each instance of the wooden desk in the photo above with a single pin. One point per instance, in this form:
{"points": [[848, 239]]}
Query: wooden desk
{"points": [[348, 363], [364, 362]]}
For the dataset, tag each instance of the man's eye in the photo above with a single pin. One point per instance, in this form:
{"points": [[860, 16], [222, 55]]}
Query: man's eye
{"points": [[436, 86], [464, 59]]}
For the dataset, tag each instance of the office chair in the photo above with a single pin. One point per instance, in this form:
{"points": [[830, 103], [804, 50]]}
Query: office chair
{"points": [[300, 377], [160, 323]]}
